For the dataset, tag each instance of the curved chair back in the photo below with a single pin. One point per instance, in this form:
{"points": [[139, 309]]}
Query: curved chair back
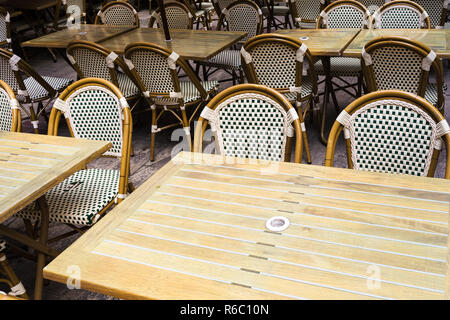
{"points": [[9, 109], [401, 14], [178, 16], [219, 5], [251, 121], [396, 63], [155, 68], [306, 12], [436, 9], [118, 13], [91, 60], [393, 132], [5, 29], [242, 15], [95, 109], [344, 14], [11, 69]]}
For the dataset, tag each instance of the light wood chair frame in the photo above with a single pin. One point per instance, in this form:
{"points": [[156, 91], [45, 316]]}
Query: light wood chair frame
{"points": [[125, 4], [202, 123], [391, 95], [416, 47], [16, 125], [295, 44]]}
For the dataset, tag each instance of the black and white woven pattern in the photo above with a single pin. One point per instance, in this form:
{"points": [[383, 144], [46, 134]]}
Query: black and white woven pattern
{"points": [[128, 88], [228, 59], [372, 5], [79, 198], [308, 9], [177, 18], [119, 15], [91, 63], [388, 137], [307, 90], [432, 95], [243, 17], [340, 67], [345, 16], [3, 28], [189, 92], [434, 8], [400, 17], [6, 116], [36, 91], [7, 74]]}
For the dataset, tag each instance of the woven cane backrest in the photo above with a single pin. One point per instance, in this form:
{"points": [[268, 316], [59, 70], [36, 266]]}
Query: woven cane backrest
{"points": [[7, 73], [90, 62], [274, 63], [153, 70], [118, 13], [436, 9], [178, 16], [344, 14], [401, 15], [307, 10], [5, 31], [219, 5], [243, 16], [392, 136], [9, 109], [95, 113], [251, 125]]}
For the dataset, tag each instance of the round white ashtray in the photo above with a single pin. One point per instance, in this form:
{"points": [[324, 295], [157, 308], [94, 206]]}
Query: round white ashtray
{"points": [[304, 38], [277, 223], [82, 33]]}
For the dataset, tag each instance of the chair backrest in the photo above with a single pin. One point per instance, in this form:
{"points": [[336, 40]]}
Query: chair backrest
{"points": [[277, 61], [118, 13], [75, 10], [306, 11], [13, 69], [5, 29], [91, 60], [437, 10], [155, 69], [9, 109], [251, 121], [242, 15], [178, 16], [344, 14], [396, 63], [95, 109], [401, 14], [392, 132], [219, 5]]}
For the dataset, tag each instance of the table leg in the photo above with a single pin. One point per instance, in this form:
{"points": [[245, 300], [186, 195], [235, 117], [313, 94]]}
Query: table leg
{"points": [[328, 84], [43, 238]]}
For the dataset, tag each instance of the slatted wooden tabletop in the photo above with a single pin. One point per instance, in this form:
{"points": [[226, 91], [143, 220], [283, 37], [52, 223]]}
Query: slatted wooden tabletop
{"points": [[323, 42], [31, 164], [190, 44], [197, 230], [88, 32], [436, 39]]}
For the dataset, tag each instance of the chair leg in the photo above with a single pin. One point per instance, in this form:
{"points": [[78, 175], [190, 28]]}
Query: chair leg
{"points": [[323, 114], [34, 119], [187, 128], [17, 289], [304, 135], [152, 136], [43, 239]]}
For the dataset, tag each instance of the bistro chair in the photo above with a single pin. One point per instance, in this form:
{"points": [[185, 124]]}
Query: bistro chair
{"points": [[251, 121], [28, 85], [155, 67], [346, 14], [219, 5], [306, 12], [397, 63], [241, 15], [401, 15], [178, 16], [91, 60], [199, 15], [280, 9], [118, 13], [94, 109], [437, 10], [281, 62], [5, 29], [393, 132], [9, 121]]}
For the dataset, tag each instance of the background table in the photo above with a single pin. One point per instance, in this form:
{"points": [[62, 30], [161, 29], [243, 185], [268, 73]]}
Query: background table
{"points": [[30, 165], [323, 42], [29, 4], [190, 44], [436, 39], [197, 230]]}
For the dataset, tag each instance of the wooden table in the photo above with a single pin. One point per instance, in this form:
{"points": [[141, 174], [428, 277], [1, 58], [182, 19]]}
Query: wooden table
{"points": [[190, 44], [88, 32], [436, 39], [29, 4], [30, 165], [197, 230], [323, 42]]}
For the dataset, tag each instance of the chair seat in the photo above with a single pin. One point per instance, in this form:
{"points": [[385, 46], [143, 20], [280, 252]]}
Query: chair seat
{"points": [[2, 245], [189, 92], [431, 95], [207, 6], [226, 59], [127, 86], [341, 67], [277, 10], [37, 92], [307, 90], [78, 199]]}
